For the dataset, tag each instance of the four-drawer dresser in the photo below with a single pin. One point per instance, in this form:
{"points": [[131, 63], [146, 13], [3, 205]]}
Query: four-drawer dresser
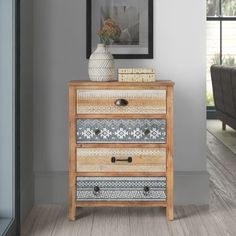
{"points": [[120, 145]]}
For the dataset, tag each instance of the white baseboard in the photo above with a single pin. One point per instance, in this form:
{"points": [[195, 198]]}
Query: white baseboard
{"points": [[190, 187]]}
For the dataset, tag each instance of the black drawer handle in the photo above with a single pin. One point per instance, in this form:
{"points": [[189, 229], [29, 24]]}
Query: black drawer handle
{"points": [[121, 102], [113, 159], [146, 190], [97, 131], [96, 190], [147, 132]]}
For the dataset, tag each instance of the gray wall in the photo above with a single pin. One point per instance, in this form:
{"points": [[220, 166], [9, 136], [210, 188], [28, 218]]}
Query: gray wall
{"points": [[59, 56], [6, 110], [27, 173]]}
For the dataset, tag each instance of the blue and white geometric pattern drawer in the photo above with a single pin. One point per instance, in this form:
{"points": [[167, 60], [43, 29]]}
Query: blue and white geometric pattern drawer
{"points": [[121, 131], [121, 189]]}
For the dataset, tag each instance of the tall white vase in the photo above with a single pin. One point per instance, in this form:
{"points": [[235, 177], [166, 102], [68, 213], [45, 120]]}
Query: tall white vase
{"points": [[101, 65]]}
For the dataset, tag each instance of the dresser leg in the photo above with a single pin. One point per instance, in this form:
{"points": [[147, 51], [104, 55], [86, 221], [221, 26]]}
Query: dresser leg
{"points": [[170, 196], [72, 213], [170, 212]]}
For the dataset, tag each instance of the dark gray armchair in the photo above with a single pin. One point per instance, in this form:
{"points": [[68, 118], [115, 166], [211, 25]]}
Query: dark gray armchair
{"points": [[224, 92]]}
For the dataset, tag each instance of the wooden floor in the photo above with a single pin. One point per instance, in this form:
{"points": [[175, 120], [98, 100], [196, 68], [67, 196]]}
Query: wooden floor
{"points": [[217, 219], [4, 223]]}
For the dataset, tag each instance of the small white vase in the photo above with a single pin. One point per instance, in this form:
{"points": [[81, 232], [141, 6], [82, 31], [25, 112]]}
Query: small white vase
{"points": [[101, 65]]}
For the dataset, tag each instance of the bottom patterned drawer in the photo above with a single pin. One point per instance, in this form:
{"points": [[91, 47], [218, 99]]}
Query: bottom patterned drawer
{"points": [[121, 188]]}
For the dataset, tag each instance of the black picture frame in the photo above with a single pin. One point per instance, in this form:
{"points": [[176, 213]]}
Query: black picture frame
{"points": [[149, 55]]}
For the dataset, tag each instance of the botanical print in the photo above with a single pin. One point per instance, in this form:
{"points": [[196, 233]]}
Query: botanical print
{"points": [[124, 26], [119, 25]]}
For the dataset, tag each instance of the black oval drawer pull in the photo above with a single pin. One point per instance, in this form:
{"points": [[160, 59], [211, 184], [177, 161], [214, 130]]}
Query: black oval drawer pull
{"points": [[96, 190], [97, 131], [121, 102], [147, 132], [129, 159], [146, 190]]}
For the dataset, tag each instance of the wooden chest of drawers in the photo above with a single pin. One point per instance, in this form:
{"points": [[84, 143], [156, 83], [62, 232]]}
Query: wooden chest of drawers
{"points": [[121, 145]]}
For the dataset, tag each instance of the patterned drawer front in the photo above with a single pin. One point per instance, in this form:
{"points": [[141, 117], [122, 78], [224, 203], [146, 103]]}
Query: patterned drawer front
{"points": [[121, 188], [103, 101], [121, 131], [121, 160]]}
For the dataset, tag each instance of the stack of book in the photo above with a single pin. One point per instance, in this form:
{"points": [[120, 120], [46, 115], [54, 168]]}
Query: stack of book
{"points": [[136, 75]]}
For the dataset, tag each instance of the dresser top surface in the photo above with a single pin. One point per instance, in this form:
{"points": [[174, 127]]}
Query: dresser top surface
{"points": [[165, 83]]}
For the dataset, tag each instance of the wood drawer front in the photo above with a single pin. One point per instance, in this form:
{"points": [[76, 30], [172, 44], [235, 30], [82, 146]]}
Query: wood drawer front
{"points": [[121, 131], [121, 189], [103, 101], [116, 160]]}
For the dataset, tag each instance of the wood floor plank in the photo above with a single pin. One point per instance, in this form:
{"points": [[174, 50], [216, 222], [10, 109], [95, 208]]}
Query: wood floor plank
{"points": [[159, 221], [221, 178], [221, 181], [30, 221], [110, 221], [46, 220], [212, 227], [217, 219], [190, 221], [175, 227], [221, 153], [4, 223], [223, 217], [82, 226], [219, 165], [148, 221]]}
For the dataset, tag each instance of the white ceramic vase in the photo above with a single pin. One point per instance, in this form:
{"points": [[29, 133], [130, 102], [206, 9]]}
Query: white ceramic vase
{"points": [[101, 65]]}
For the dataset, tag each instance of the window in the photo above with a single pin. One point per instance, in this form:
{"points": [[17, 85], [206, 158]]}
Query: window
{"points": [[221, 37], [9, 118]]}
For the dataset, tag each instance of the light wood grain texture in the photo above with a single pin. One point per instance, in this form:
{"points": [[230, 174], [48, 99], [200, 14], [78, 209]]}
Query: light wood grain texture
{"points": [[217, 219], [131, 168], [162, 84], [121, 116], [72, 153], [122, 204], [122, 145], [170, 177], [99, 160], [121, 174], [138, 101], [145, 101]]}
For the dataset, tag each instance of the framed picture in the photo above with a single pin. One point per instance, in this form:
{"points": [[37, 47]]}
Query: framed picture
{"points": [[125, 26]]}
